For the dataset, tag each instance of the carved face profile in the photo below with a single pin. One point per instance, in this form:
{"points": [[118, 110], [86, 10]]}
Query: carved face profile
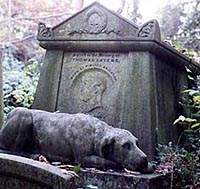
{"points": [[89, 89], [92, 88]]}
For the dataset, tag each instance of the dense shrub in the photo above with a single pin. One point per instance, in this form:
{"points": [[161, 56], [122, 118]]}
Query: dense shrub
{"points": [[19, 81], [182, 161]]}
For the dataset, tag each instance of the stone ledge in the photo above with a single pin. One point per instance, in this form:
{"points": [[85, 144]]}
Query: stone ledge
{"points": [[160, 49], [105, 180], [21, 173]]}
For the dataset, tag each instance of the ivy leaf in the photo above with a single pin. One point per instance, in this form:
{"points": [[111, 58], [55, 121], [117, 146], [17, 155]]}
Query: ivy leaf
{"points": [[77, 169], [192, 93], [188, 91], [188, 156], [194, 126], [190, 120], [196, 115]]}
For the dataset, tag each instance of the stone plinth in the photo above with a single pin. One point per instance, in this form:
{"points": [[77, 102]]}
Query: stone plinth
{"points": [[102, 64], [104, 180], [22, 173]]}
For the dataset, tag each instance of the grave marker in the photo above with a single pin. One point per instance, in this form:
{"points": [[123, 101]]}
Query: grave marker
{"points": [[100, 63]]}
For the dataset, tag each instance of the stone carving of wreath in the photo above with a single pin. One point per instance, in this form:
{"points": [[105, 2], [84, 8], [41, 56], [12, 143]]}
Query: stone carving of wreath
{"points": [[95, 22]]}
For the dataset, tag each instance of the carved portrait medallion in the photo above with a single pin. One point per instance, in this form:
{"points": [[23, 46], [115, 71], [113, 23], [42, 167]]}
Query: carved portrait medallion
{"points": [[89, 90]]}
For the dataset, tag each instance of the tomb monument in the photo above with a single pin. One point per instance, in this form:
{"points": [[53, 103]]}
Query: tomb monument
{"points": [[99, 63]]}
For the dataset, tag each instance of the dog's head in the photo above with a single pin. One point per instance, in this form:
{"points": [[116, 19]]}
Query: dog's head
{"points": [[120, 146]]}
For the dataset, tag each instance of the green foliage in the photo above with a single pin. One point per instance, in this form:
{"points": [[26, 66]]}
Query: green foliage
{"points": [[19, 82], [184, 160], [183, 25], [77, 169], [191, 103]]}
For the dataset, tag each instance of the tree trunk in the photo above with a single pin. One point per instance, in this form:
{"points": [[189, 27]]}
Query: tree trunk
{"points": [[122, 5], [1, 91]]}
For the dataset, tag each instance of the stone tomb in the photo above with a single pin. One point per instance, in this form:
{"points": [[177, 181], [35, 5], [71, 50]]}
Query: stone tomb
{"points": [[100, 63]]}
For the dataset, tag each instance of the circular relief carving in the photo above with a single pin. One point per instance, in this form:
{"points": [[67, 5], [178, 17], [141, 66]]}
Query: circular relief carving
{"points": [[89, 90], [95, 22]]}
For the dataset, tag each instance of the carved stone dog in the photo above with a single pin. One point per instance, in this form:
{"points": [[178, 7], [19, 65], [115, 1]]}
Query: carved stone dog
{"points": [[71, 138]]}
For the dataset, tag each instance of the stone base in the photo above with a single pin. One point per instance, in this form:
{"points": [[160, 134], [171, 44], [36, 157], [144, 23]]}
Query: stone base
{"points": [[20, 173], [105, 180]]}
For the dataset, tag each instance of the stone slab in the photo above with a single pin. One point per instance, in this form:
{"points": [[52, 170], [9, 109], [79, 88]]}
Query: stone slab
{"points": [[22, 173], [105, 180]]}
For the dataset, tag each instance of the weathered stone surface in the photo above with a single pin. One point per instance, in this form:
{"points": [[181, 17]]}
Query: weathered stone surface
{"points": [[20, 173], [105, 180], [71, 138], [114, 70], [94, 20], [51, 77], [93, 83]]}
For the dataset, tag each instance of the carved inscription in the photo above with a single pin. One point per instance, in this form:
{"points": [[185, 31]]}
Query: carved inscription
{"points": [[90, 66], [95, 60], [92, 81], [96, 57]]}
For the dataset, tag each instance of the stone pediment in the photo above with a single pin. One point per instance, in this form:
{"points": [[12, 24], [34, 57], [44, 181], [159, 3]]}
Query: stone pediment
{"points": [[96, 22]]}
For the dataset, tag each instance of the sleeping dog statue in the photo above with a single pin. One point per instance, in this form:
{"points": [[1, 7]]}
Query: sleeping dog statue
{"points": [[71, 138]]}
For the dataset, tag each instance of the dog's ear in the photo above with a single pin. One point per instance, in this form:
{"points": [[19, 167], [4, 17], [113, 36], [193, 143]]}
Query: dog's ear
{"points": [[107, 147]]}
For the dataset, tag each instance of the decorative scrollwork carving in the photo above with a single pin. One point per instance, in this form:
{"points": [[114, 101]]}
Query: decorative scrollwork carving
{"points": [[44, 31], [150, 30], [146, 30]]}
